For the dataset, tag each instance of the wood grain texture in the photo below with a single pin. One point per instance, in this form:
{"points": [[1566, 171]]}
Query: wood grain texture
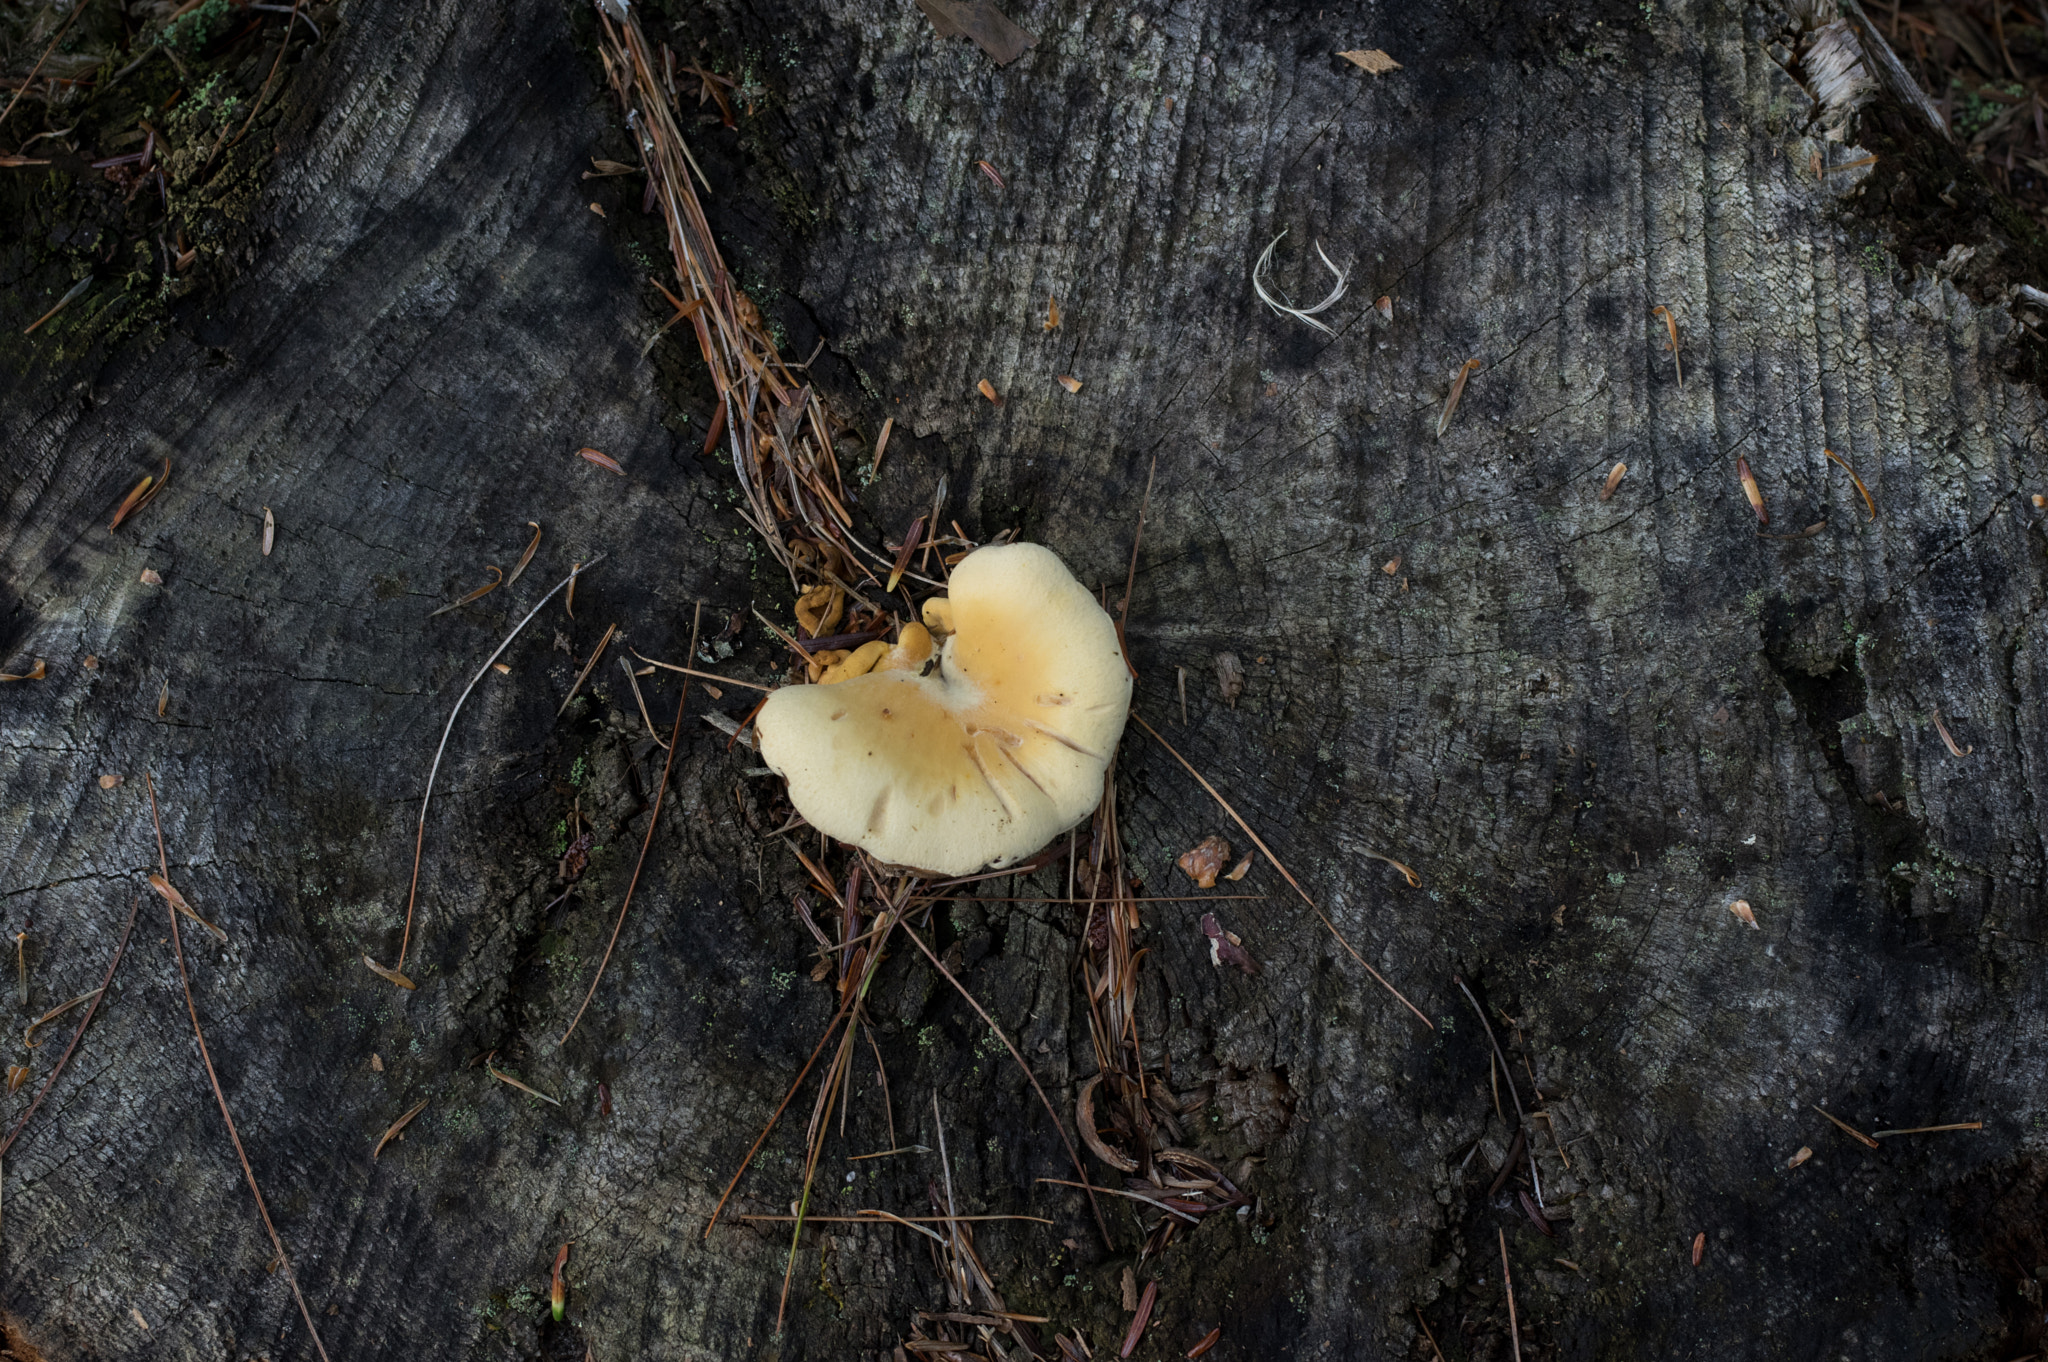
{"points": [[1635, 710]]}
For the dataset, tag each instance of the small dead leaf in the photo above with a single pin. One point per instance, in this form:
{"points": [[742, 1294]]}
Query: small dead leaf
{"points": [[1384, 305], [136, 1315], [92, 662], [1229, 677], [1869, 503], [602, 460], [376, 1062], [1392, 565], [389, 975], [17, 1074], [1942, 729], [709, 689], [497, 577], [1205, 862], [1699, 1247], [177, 901], [604, 167], [988, 390], [140, 495], [391, 1132], [504, 1077], [526, 557], [1443, 423], [1557, 917], [1614, 477], [598, 209], [269, 531], [38, 672], [1141, 1318], [1372, 60], [1241, 869], [1070, 383], [151, 577], [1742, 910], [1052, 314], [502, 668], [1801, 1157], [990, 171], [980, 20], [163, 698], [2039, 501], [1671, 329], [1208, 1341], [108, 782]]}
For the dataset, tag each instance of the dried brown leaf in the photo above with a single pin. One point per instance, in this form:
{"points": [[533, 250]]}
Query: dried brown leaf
{"points": [[1671, 329], [1052, 314], [991, 30], [1742, 910], [988, 390], [1942, 729], [376, 1062], [526, 557], [601, 459], [108, 782], [140, 495], [990, 171], [391, 1132], [1443, 422], [38, 672], [1392, 565], [504, 1077], [1801, 1157], [598, 209], [1614, 477], [1699, 1247], [1372, 60], [1205, 861], [163, 698], [1384, 305], [497, 579], [1225, 948], [17, 1074], [151, 577], [1141, 1319], [1242, 868], [177, 901], [608, 168], [1070, 383], [269, 531], [389, 975], [1869, 503], [1752, 491]]}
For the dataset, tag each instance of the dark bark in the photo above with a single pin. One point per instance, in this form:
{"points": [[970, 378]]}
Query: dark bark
{"points": [[1590, 726]]}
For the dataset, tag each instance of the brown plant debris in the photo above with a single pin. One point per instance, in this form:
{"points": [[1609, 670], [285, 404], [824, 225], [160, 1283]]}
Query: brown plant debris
{"points": [[1671, 330], [1741, 909], [1241, 869], [1848, 1129], [601, 459], [151, 577], [1215, 1336], [595, 653], [1699, 1247], [391, 976], [1802, 1156], [140, 495], [1507, 1279], [1869, 503], [28, 1040], [392, 1131], [1229, 677], [526, 557], [486, 589], [1752, 491], [1205, 861], [1392, 565], [17, 1074], [1942, 729], [1443, 422], [1931, 1130], [1141, 1319], [163, 698], [269, 531], [177, 901], [1371, 60], [108, 782], [1384, 305], [35, 673], [1614, 477], [1069, 382], [1052, 314], [989, 28], [508, 1079], [988, 390]]}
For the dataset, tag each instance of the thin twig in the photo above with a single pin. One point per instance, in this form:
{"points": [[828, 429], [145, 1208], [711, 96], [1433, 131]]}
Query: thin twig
{"points": [[30, 79], [1017, 1055], [1428, 1335], [1910, 1130], [641, 701], [1509, 1074], [1847, 1129], [1507, 1280], [704, 676], [595, 654], [1284, 873], [419, 838], [675, 736], [119, 949], [178, 947]]}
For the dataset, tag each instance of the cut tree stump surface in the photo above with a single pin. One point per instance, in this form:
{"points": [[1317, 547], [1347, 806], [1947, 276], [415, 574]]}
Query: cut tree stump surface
{"points": [[1589, 726]]}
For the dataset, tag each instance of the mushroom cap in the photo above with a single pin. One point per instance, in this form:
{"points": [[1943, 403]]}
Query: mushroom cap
{"points": [[995, 752]]}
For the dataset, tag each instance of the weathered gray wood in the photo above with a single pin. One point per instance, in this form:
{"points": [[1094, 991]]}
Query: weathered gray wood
{"points": [[1634, 712]]}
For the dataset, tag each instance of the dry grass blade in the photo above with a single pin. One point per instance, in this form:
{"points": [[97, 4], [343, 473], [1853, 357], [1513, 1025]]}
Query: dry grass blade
{"points": [[486, 589], [674, 740], [881, 448], [595, 654], [1300, 314], [506, 1078], [1507, 1280], [1439, 1352], [388, 975], [391, 1132], [1671, 328], [35, 673], [1849, 1130], [708, 676], [1931, 1130], [420, 837], [641, 701], [1869, 503], [73, 294], [120, 949], [28, 1036], [1414, 880], [206, 1056], [1942, 729], [177, 901], [1285, 874], [526, 557], [1443, 423], [1017, 1055]]}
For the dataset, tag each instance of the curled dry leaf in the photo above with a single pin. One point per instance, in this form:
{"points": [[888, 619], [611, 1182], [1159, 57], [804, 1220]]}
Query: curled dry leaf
{"points": [[558, 1291], [17, 1074], [108, 782], [39, 671], [1699, 1247], [598, 209], [1205, 862], [1752, 491], [1392, 565], [1372, 60], [376, 1062], [601, 459], [1801, 1157], [177, 901], [140, 495], [2039, 501], [389, 975], [1229, 677], [1614, 477], [1052, 314], [502, 668], [1942, 729], [269, 531], [1742, 910], [1868, 502], [497, 579], [151, 577], [391, 1132], [1084, 1121], [1070, 383], [988, 390], [28, 1037], [1225, 947], [1384, 305], [526, 557], [1241, 869]]}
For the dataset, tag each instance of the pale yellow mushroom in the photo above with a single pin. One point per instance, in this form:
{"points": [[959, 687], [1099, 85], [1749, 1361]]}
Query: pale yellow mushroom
{"points": [[859, 662], [938, 615], [981, 758]]}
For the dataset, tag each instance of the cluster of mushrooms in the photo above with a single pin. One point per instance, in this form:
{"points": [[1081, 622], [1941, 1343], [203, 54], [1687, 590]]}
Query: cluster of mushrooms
{"points": [[977, 737]]}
